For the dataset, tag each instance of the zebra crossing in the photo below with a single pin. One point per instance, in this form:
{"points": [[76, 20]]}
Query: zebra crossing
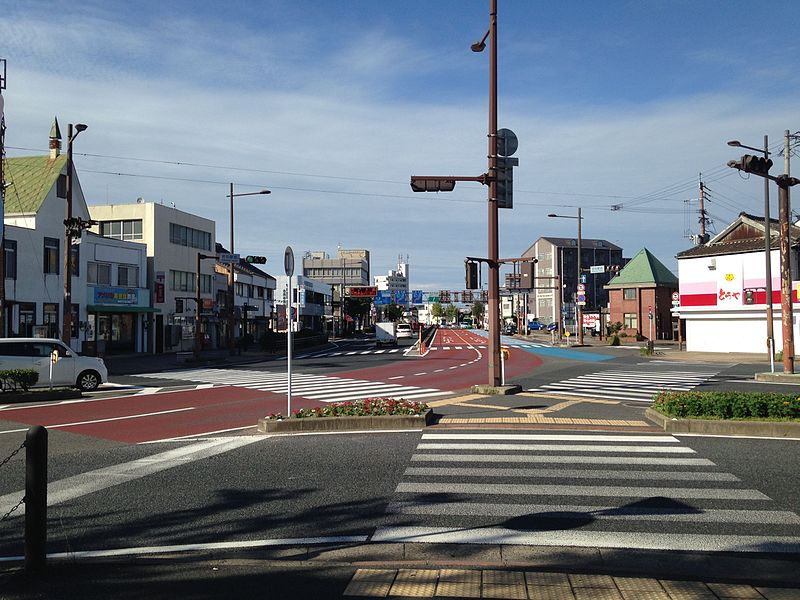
{"points": [[313, 387], [627, 384], [587, 490], [331, 354], [484, 346]]}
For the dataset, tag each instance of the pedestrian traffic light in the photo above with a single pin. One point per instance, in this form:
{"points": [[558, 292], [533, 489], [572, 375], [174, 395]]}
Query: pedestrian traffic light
{"points": [[471, 275], [505, 181], [258, 260]]}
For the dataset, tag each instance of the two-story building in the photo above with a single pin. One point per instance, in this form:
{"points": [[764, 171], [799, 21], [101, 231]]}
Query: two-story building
{"points": [[110, 302]]}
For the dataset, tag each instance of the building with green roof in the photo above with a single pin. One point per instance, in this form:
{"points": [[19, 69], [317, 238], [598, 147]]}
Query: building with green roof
{"points": [[640, 297]]}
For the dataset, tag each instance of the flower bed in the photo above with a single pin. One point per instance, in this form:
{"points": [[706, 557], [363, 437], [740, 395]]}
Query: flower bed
{"points": [[371, 413], [729, 405], [369, 407]]}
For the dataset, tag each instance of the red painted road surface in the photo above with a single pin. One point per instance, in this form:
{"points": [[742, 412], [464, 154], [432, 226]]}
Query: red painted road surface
{"points": [[454, 364]]}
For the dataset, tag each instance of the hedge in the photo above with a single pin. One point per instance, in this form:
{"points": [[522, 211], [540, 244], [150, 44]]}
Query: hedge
{"points": [[14, 380], [728, 405]]}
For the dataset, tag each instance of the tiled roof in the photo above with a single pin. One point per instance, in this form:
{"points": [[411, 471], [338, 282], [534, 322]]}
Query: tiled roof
{"points": [[724, 243], [644, 268], [30, 178]]}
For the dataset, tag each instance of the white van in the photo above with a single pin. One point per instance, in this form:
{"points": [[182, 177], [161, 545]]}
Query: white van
{"points": [[83, 372], [404, 330]]}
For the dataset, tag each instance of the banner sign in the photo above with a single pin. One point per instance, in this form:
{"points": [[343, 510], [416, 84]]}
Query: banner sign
{"points": [[116, 296]]}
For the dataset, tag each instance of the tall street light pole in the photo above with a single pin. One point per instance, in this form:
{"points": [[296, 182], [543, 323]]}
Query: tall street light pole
{"points": [[231, 295], [767, 254], [578, 307], [495, 376], [66, 332]]}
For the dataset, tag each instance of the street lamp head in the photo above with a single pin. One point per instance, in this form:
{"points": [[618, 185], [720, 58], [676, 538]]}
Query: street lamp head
{"points": [[478, 46], [265, 192], [735, 143], [552, 215], [81, 127]]}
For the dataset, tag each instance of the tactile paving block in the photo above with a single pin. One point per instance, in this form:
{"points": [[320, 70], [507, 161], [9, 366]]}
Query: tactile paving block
{"points": [[592, 581], [734, 590], [550, 592], [535, 578]]}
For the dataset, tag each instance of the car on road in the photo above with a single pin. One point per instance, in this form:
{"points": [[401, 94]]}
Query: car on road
{"points": [[49, 355], [536, 325], [510, 329], [404, 330], [552, 326]]}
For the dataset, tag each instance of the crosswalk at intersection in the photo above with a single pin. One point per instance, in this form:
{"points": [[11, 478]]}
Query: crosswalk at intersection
{"points": [[590, 490], [627, 384], [313, 387]]}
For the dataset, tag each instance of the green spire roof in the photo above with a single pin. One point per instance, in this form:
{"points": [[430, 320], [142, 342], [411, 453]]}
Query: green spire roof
{"points": [[644, 269], [30, 179], [55, 132]]}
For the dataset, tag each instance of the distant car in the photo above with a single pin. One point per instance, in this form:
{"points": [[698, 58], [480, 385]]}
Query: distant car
{"points": [[404, 330], [552, 326], [510, 329], [536, 325]]}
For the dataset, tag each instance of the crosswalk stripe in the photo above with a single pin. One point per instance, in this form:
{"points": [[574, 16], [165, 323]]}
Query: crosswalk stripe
{"points": [[570, 459], [591, 539], [552, 437], [515, 489], [555, 448], [570, 473], [561, 511]]}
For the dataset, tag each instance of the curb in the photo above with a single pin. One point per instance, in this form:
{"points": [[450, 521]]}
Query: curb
{"points": [[313, 424], [490, 390], [778, 429]]}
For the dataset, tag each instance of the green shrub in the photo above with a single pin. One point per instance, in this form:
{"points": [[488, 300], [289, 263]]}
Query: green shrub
{"points": [[728, 405], [14, 380], [615, 340]]}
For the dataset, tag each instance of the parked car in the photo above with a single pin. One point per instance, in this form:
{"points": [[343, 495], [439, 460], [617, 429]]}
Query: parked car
{"points": [[536, 325], [404, 330], [510, 329], [71, 369], [552, 326]]}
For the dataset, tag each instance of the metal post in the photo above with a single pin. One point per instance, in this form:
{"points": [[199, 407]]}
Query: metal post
{"points": [[197, 339], [787, 318], [231, 285], [768, 267], [35, 498], [493, 250], [289, 349], [578, 306], [66, 332]]}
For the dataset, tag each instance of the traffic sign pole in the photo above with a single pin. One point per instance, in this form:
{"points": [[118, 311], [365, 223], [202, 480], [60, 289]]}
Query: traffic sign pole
{"points": [[288, 265]]}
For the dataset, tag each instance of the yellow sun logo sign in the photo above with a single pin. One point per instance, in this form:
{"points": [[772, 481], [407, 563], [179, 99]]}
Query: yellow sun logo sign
{"points": [[729, 277]]}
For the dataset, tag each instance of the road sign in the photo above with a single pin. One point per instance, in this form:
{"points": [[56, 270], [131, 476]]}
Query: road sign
{"points": [[597, 269], [583, 278], [288, 261], [676, 296], [228, 258], [581, 287]]}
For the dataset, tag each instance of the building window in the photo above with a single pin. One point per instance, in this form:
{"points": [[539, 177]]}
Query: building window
{"points": [[128, 276], [629, 293], [187, 236], [50, 260], [10, 259], [98, 273], [50, 312], [184, 281], [61, 186], [129, 229], [631, 321], [27, 317]]}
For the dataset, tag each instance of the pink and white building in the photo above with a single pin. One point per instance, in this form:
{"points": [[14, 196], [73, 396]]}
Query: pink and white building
{"points": [[722, 287]]}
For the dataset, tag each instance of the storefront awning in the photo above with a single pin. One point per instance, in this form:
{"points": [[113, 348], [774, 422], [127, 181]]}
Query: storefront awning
{"points": [[102, 308]]}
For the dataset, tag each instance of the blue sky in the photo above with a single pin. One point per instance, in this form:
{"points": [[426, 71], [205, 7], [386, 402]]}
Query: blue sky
{"points": [[334, 104]]}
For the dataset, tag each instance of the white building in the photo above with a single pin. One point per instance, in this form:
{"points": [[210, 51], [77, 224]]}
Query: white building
{"points": [[110, 303], [175, 240], [254, 297], [311, 302], [396, 280], [722, 287]]}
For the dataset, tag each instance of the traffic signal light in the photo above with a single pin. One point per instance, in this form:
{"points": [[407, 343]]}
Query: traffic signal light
{"points": [[76, 225], [471, 275], [257, 260], [505, 181], [756, 164]]}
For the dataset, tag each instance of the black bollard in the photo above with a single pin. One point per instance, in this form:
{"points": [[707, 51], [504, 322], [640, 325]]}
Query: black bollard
{"points": [[35, 498]]}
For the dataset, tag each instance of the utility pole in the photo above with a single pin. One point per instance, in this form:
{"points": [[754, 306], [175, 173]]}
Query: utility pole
{"points": [[2, 202], [703, 218], [66, 332], [768, 266]]}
